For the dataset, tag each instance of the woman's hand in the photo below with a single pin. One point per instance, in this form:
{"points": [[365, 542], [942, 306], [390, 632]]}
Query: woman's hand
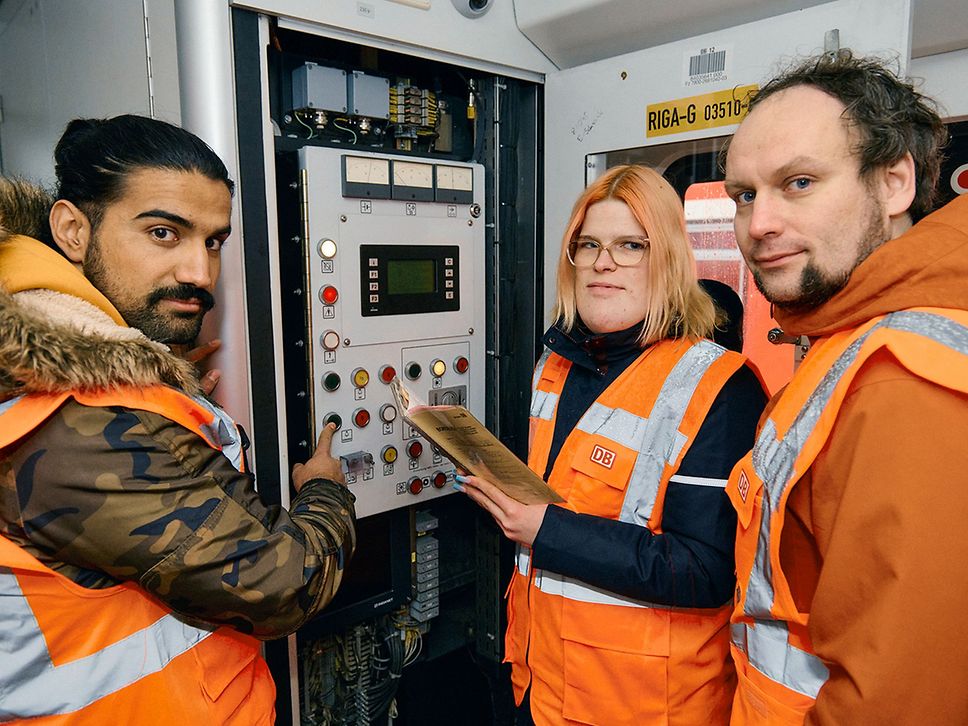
{"points": [[519, 522]]}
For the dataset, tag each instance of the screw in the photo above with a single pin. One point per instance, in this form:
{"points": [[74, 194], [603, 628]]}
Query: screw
{"points": [[342, 218], [470, 331], [346, 342]]}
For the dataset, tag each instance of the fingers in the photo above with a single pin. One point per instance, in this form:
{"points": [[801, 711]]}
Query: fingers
{"points": [[502, 502], [203, 351], [210, 380], [325, 441]]}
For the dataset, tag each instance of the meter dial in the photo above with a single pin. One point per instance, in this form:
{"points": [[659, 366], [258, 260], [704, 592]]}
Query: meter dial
{"points": [[460, 178], [412, 174], [365, 170]]}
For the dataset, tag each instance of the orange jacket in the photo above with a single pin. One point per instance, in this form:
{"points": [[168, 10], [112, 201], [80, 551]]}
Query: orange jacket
{"points": [[591, 656], [873, 532], [117, 655], [779, 674]]}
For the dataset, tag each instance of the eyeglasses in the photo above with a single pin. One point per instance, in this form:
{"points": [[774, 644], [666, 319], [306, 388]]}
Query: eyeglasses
{"points": [[625, 251]]}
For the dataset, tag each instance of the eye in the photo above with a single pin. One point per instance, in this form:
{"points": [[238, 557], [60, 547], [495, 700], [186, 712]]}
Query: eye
{"points": [[587, 244], [163, 234], [215, 244], [744, 198], [800, 183], [632, 244]]}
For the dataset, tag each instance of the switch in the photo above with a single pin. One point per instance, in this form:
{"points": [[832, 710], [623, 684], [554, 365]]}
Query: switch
{"points": [[387, 373], [413, 370], [415, 486], [461, 364], [333, 418], [361, 377], [361, 417], [389, 454], [414, 449], [438, 368], [329, 295], [331, 381], [439, 479], [329, 340], [326, 249], [388, 412]]}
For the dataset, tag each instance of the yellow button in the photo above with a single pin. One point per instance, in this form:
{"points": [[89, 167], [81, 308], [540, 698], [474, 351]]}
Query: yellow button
{"points": [[389, 454], [438, 367], [360, 377]]}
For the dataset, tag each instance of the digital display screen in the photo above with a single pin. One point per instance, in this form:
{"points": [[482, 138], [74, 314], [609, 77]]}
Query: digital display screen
{"points": [[411, 277]]}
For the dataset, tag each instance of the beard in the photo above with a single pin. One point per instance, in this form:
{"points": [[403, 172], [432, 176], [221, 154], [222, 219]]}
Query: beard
{"points": [[817, 287], [172, 328]]}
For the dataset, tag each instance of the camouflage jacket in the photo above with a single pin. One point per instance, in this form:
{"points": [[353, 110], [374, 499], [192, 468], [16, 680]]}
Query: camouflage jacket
{"points": [[112, 494]]}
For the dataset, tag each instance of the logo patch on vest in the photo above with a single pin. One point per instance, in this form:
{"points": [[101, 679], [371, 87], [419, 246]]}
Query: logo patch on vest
{"points": [[601, 455], [744, 486]]}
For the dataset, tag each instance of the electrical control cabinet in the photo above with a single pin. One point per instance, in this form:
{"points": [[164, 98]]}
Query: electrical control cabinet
{"points": [[395, 285]]}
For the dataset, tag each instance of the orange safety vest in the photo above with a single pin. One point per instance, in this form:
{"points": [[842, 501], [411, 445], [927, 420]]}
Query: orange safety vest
{"points": [[79, 656], [779, 674], [595, 657]]}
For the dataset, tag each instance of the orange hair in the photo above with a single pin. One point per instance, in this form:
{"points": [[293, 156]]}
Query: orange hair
{"points": [[677, 306]]}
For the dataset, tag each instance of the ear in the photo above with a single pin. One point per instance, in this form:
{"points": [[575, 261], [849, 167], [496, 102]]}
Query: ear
{"points": [[898, 186], [70, 229]]}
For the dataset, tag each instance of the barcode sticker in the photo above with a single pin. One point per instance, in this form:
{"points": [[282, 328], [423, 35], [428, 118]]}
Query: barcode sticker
{"points": [[707, 65]]}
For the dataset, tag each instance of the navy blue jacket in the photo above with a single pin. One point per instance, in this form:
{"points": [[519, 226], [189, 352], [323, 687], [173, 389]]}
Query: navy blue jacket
{"points": [[691, 563]]}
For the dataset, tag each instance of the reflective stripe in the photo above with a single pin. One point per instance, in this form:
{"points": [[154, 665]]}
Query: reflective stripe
{"points": [[523, 559], [32, 686], [8, 403], [543, 404], [768, 649], [661, 440], [551, 583], [773, 459], [539, 368], [223, 431], [698, 481], [615, 424]]}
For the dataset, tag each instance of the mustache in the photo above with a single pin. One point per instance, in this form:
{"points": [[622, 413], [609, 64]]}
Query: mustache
{"points": [[183, 292]]}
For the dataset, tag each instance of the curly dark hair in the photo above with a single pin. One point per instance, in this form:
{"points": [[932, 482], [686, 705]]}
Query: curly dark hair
{"points": [[889, 115]]}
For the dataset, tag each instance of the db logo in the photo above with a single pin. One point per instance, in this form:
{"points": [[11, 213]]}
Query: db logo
{"points": [[603, 456], [744, 486]]}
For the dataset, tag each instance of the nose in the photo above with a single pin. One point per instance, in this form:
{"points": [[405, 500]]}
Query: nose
{"points": [[764, 218], [604, 261], [196, 266]]}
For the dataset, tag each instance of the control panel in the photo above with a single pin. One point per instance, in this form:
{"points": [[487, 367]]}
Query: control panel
{"points": [[395, 269]]}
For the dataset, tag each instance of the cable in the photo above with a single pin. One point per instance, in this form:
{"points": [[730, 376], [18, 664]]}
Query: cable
{"points": [[347, 129]]}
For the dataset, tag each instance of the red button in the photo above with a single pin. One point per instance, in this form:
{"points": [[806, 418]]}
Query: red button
{"points": [[440, 478], [414, 449], [361, 418], [415, 486], [387, 374], [329, 295], [461, 365]]}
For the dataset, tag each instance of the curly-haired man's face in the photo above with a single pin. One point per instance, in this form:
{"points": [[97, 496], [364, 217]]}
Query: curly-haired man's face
{"points": [[805, 218]]}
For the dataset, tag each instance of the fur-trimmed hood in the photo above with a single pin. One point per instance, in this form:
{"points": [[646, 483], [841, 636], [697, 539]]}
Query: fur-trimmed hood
{"points": [[57, 332], [52, 342]]}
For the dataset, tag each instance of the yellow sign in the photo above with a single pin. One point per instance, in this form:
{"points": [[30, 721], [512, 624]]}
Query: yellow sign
{"points": [[721, 108]]}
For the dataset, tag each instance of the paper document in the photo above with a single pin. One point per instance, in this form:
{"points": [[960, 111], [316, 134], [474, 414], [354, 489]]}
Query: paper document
{"points": [[465, 441]]}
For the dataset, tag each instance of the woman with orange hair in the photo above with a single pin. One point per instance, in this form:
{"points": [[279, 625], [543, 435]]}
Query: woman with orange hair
{"points": [[619, 603]]}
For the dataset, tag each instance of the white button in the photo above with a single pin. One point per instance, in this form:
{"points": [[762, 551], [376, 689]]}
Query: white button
{"points": [[449, 295], [374, 285], [448, 272], [448, 260], [330, 340], [374, 262], [374, 298], [448, 283], [374, 274]]}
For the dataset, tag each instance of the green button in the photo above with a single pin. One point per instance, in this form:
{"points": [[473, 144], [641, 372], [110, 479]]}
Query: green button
{"points": [[331, 381]]}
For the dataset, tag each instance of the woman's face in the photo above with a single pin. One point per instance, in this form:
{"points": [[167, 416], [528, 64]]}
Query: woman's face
{"points": [[611, 298]]}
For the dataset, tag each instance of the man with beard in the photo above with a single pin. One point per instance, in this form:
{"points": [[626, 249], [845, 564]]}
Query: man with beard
{"points": [[138, 566], [851, 591]]}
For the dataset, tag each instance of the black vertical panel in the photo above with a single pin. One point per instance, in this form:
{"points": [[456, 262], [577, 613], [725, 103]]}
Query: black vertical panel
{"points": [[255, 226]]}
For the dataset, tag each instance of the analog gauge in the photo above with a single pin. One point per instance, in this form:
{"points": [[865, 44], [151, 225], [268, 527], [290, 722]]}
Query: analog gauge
{"points": [[365, 170], [455, 177], [411, 174]]}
